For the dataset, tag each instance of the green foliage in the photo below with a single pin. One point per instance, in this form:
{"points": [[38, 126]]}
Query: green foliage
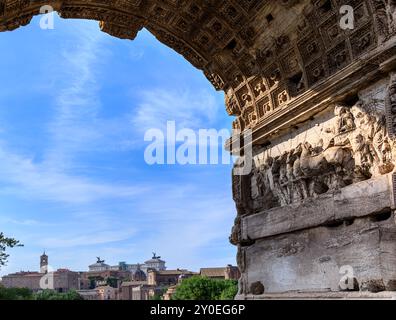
{"points": [[156, 297], [94, 280], [112, 282], [53, 295], [4, 244], [203, 288], [92, 283], [15, 294], [159, 294], [230, 292]]}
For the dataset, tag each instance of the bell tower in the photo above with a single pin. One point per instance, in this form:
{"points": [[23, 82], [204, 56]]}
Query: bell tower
{"points": [[43, 263]]}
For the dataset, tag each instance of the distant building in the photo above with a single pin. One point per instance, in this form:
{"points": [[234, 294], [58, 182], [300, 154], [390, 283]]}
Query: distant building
{"points": [[228, 273], [155, 263], [102, 278], [142, 292], [61, 280], [139, 290], [155, 284], [44, 263], [100, 293], [99, 266], [169, 293], [127, 289], [89, 294], [139, 275], [107, 293], [166, 278], [85, 284], [102, 274]]}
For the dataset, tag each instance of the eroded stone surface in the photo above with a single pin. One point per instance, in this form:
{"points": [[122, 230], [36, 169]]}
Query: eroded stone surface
{"points": [[357, 200], [311, 259]]}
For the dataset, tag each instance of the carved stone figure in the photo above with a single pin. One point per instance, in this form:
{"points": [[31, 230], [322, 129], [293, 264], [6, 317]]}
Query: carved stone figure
{"points": [[354, 148], [391, 9]]}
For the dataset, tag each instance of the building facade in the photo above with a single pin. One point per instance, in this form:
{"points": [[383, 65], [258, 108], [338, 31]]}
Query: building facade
{"points": [[107, 293], [228, 273], [155, 263], [168, 278], [61, 280]]}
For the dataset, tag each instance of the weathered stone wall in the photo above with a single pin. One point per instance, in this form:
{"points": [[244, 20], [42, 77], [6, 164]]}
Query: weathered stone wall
{"points": [[303, 247], [321, 198], [63, 281]]}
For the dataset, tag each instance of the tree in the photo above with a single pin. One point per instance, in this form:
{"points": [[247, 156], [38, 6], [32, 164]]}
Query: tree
{"points": [[112, 282], [230, 291], [156, 297], [159, 294], [53, 295], [72, 295], [15, 293], [93, 281], [4, 244], [203, 288]]}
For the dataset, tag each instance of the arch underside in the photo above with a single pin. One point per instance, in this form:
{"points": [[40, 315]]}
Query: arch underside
{"points": [[270, 57]]}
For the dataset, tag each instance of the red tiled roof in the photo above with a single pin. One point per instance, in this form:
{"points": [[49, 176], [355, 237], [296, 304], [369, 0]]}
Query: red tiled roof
{"points": [[213, 272]]}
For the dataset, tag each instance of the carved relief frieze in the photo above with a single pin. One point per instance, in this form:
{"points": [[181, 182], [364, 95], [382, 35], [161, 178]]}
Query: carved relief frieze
{"points": [[390, 104], [351, 147]]}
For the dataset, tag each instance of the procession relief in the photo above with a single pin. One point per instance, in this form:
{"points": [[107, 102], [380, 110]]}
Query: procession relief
{"points": [[352, 146]]}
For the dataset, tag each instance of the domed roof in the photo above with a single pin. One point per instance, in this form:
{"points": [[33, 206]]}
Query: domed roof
{"points": [[139, 275]]}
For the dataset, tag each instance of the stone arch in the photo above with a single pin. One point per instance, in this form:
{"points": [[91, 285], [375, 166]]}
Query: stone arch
{"points": [[199, 30], [281, 63], [263, 54]]}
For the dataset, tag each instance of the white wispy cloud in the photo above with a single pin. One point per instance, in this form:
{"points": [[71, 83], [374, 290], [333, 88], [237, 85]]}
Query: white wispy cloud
{"points": [[76, 97], [72, 130], [195, 220], [182, 219], [27, 179], [189, 109], [87, 239], [25, 222]]}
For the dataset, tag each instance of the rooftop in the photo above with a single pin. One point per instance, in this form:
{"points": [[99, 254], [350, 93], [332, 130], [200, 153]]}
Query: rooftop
{"points": [[175, 272], [23, 273], [213, 272], [134, 283]]}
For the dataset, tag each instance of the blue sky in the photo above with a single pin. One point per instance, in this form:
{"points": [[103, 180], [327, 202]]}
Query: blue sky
{"points": [[74, 106]]}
